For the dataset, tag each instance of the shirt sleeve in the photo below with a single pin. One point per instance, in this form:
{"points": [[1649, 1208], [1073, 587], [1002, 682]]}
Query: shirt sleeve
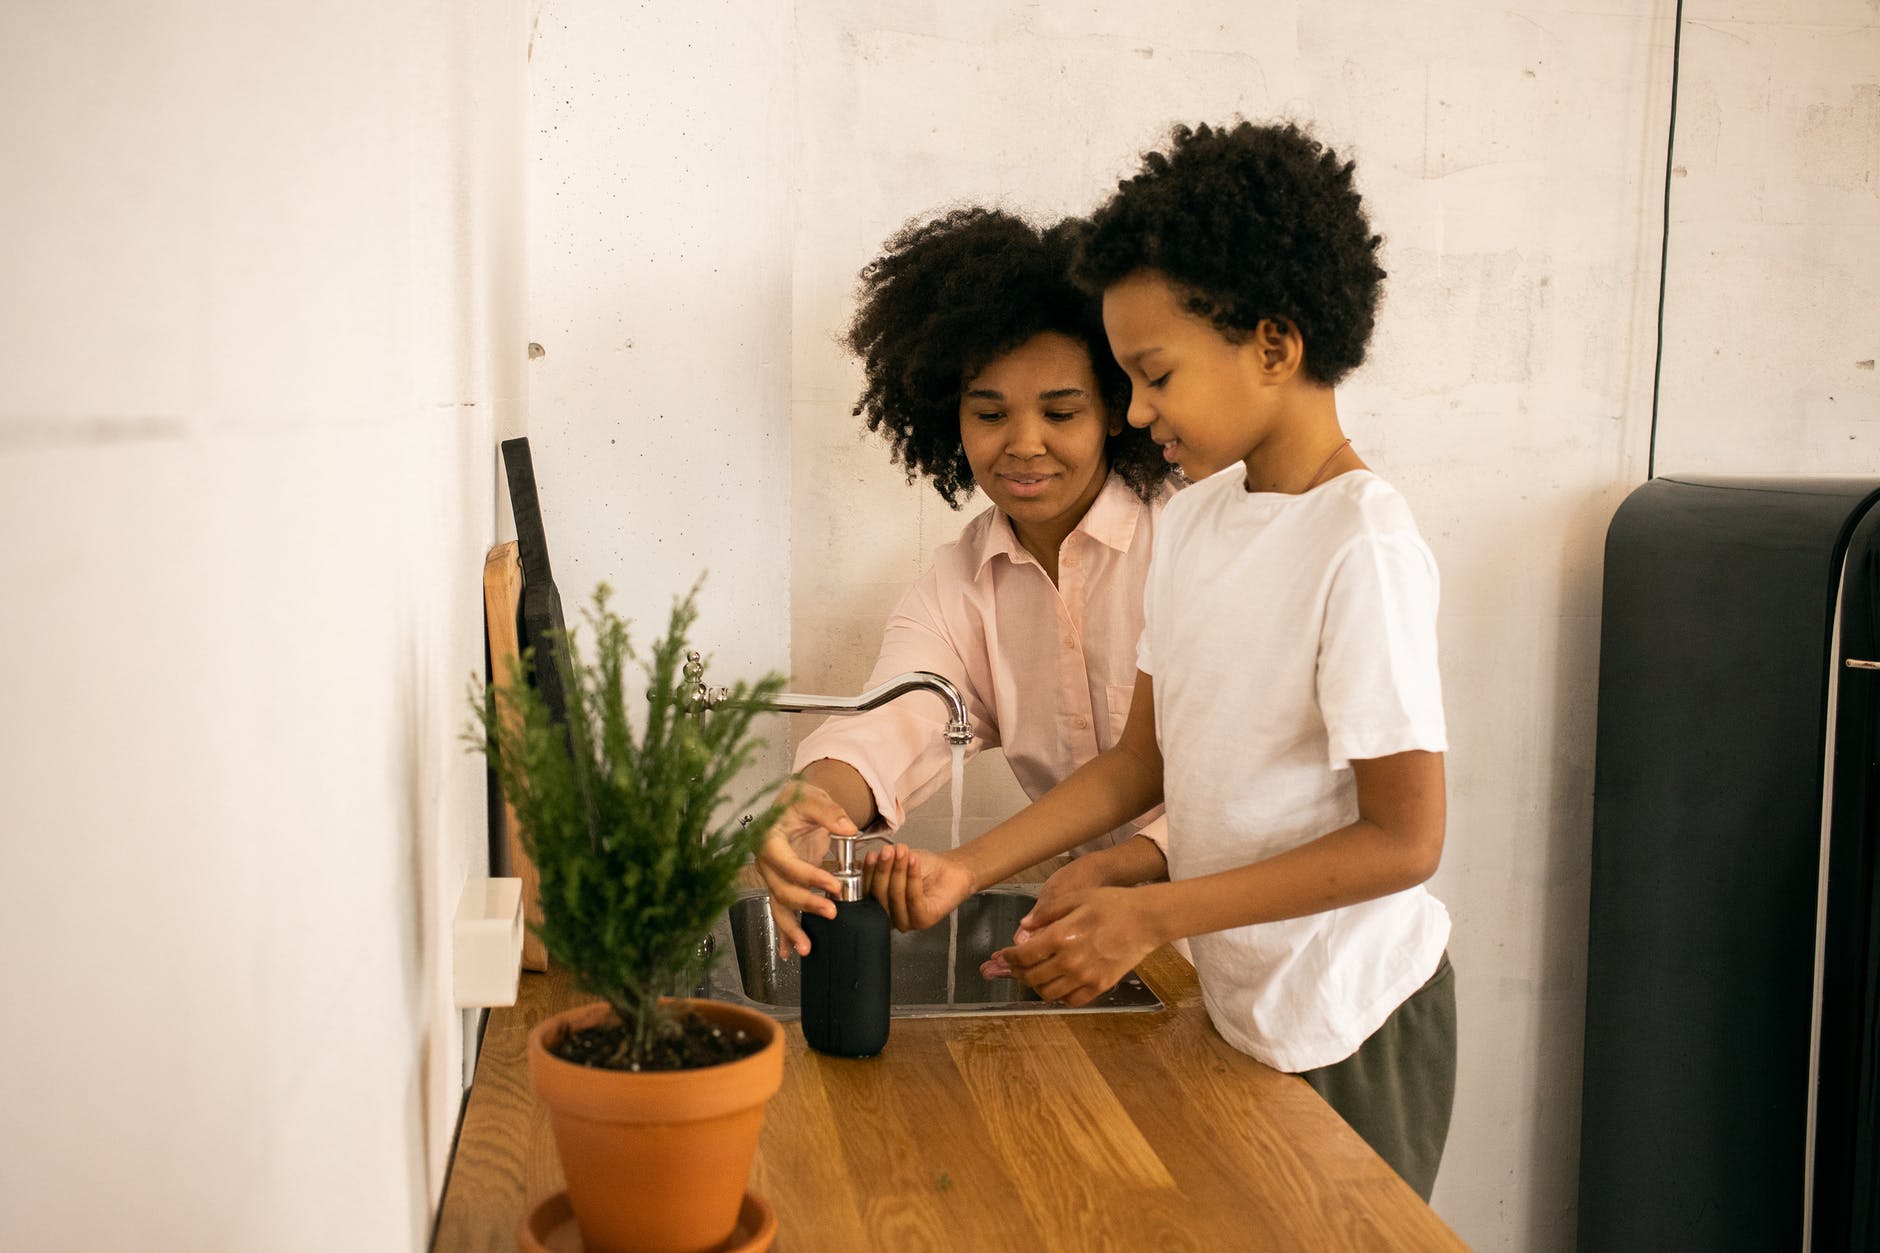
{"points": [[1379, 688], [1145, 658], [900, 749]]}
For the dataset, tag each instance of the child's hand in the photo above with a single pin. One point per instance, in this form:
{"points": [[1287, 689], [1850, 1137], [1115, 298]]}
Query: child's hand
{"points": [[995, 966], [917, 889], [1081, 874], [791, 861], [1082, 944]]}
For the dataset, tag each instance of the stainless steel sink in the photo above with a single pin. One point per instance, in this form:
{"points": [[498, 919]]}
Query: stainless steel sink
{"points": [[750, 971]]}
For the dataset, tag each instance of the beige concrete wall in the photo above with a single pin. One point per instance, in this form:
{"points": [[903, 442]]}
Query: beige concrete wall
{"points": [[1772, 313], [1514, 160], [659, 298]]}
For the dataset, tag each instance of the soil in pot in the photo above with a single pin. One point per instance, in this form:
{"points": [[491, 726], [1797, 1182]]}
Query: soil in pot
{"points": [[699, 1042]]}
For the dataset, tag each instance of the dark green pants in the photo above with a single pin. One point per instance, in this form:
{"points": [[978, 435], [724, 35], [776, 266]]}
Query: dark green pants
{"points": [[1397, 1090]]}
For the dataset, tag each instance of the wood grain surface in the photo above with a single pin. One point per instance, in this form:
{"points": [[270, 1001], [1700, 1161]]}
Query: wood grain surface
{"points": [[502, 594], [1074, 1132]]}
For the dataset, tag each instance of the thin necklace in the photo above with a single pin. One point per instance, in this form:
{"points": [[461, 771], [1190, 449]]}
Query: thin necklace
{"points": [[1324, 466]]}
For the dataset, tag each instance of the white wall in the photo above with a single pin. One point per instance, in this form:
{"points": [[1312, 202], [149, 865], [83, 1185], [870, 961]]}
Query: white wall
{"points": [[659, 297], [259, 319]]}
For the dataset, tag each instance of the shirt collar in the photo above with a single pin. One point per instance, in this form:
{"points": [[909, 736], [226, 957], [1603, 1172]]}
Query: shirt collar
{"points": [[1111, 521]]}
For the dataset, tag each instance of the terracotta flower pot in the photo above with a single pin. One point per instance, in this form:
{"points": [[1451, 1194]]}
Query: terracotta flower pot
{"points": [[657, 1161]]}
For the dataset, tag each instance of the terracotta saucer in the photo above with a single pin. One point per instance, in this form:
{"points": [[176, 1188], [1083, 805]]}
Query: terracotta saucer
{"points": [[549, 1228]]}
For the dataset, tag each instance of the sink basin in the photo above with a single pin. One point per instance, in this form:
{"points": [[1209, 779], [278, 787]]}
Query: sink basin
{"points": [[750, 970]]}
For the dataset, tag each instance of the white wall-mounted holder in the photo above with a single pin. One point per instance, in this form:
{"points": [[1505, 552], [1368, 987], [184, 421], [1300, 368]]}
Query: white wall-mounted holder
{"points": [[486, 940]]}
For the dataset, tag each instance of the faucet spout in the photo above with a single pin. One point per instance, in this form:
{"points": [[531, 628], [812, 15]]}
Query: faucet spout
{"points": [[959, 729]]}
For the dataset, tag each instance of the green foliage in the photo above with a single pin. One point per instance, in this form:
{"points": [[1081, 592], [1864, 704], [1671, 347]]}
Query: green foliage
{"points": [[619, 823]]}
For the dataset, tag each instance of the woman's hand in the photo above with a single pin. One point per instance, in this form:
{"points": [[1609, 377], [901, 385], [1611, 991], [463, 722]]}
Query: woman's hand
{"points": [[917, 889], [1082, 943], [1078, 875], [791, 861]]}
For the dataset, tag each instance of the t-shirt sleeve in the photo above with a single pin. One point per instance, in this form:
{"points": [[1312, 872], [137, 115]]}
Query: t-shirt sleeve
{"points": [[1378, 684]]}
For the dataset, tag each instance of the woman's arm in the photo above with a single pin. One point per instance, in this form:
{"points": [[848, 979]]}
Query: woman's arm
{"points": [[1116, 785], [1138, 859], [845, 786], [857, 769], [898, 753]]}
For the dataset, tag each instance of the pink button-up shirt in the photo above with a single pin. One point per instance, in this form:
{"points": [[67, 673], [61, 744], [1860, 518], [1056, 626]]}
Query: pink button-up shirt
{"points": [[1047, 671]]}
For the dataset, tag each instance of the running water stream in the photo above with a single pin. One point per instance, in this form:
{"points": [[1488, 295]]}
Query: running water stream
{"points": [[953, 919], [959, 783]]}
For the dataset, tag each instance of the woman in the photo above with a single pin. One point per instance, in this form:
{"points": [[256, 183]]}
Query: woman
{"points": [[987, 368]]}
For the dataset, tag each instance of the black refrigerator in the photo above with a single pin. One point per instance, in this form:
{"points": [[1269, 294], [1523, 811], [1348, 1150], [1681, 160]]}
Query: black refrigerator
{"points": [[1732, 1066]]}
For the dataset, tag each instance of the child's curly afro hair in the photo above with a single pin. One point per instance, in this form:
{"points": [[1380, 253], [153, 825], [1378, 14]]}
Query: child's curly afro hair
{"points": [[944, 300], [1249, 223]]}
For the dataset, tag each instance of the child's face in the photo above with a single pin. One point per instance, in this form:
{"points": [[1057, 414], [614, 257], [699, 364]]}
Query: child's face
{"points": [[1205, 399], [1033, 425]]}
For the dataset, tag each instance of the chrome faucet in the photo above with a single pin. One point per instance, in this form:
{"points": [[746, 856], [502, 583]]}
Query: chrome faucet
{"points": [[959, 729]]}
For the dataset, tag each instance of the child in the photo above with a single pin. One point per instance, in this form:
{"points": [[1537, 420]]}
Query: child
{"points": [[987, 368], [1288, 708]]}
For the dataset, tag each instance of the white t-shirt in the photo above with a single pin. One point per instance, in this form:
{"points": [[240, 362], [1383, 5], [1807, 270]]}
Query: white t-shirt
{"points": [[1288, 635]]}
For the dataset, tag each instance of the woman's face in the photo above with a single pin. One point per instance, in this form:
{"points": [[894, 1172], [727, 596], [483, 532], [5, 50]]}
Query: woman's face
{"points": [[1033, 424]]}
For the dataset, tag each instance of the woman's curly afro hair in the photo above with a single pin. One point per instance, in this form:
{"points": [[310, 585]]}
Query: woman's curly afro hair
{"points": [[1249, 223], [947, 298]]}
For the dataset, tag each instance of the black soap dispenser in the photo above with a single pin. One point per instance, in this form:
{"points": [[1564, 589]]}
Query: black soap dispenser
{"points": [[846, 973]]}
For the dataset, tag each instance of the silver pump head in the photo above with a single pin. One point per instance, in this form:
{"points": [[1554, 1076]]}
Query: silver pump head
{"points": [[848, 868]]}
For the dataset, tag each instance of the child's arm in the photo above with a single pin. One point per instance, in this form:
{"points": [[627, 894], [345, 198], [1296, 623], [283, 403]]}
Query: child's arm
{"points": [[1138, 859], [1082, 944], [919, 889]]}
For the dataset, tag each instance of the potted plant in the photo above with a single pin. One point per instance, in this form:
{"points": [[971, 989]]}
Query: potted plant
{"points": [[656, 1100]]}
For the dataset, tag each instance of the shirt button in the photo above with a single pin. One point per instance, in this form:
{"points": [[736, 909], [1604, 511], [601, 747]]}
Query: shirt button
{"points": [[1070, 641], [1079, 722]]}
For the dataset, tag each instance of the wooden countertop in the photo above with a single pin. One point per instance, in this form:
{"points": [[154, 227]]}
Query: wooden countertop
{"points": [[1076, 1132]]}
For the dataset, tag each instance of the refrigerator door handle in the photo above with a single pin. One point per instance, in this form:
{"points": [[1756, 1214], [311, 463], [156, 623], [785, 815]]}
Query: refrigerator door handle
{"points": [[1855, 663]]}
